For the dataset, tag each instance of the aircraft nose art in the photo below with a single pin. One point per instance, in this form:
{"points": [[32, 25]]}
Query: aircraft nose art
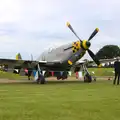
{"points": [[75, 46]]}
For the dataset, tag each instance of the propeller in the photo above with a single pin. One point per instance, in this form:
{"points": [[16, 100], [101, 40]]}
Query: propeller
{"points": [[85, 45], [93, 57], [70, 27], [93, 34]]}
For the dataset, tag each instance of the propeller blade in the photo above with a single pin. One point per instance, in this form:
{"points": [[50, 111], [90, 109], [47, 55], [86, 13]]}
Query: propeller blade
{"points": [[94, 57], [70, 27], [93, 34], [74, 57]]}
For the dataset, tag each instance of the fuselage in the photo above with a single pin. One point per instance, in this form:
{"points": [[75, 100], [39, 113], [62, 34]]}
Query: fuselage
{"points": [[63, 53], [57, 59]]}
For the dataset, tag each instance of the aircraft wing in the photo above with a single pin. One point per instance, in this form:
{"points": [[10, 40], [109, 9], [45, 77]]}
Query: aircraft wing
{"points": [[11, 63]]}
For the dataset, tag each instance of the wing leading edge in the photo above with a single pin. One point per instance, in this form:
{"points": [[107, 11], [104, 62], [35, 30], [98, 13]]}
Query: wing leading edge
{"points": [[11, 63], [23, 63]]}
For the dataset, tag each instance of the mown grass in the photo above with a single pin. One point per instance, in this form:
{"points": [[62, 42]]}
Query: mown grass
{"points": [[10, 75], [99, 100], [102, 71], [97, 71]]}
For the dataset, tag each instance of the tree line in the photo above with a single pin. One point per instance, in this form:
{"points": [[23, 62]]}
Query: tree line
{"points": [[107, 52]]}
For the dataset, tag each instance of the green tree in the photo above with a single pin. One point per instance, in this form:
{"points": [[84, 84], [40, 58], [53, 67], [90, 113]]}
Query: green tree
{"points": [[108, 51]]}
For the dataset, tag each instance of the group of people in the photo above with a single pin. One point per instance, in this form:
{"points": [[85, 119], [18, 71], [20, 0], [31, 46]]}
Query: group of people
{"points": [[117, 71]]}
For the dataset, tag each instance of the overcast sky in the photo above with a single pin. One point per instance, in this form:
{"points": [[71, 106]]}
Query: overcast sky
{"points": [[31, 26]]}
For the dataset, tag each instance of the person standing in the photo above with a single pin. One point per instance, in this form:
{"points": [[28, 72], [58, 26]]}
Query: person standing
{"points": [[117, 71]]}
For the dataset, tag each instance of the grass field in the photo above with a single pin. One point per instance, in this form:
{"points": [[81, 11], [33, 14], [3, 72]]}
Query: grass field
{"points": [[97, 71], [60, 101], [8, 75], [102, 71]]}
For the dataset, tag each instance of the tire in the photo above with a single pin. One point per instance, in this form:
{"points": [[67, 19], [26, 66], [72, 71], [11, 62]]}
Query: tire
{"points": [[87, 78], [42, 79]]}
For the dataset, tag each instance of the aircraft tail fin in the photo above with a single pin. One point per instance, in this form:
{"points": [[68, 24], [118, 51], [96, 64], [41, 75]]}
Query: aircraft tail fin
{"points": [[18, 56], [16, 68]]}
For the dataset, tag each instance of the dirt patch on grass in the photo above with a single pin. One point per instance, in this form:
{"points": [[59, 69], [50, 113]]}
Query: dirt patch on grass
{"points": [[50, 79], [12, 81]]}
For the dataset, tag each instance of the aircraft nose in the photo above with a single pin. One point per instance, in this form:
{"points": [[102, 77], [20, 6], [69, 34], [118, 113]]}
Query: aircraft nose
{"points": [[88, 44], [85, 44]]}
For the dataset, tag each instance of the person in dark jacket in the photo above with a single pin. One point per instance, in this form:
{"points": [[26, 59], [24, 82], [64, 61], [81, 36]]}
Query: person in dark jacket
{"points": [[117, 71]]}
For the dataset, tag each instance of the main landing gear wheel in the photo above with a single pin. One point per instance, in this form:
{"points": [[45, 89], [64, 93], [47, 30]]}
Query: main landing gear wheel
{"points": [[87, 78], [41, 79]]}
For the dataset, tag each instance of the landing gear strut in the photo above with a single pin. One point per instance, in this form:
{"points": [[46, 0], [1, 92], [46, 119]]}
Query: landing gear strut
{"points": [[87, 76], [41, 78]]}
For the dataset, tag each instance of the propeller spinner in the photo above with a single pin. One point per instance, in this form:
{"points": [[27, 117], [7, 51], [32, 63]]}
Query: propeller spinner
{"points": [[85, 44]]}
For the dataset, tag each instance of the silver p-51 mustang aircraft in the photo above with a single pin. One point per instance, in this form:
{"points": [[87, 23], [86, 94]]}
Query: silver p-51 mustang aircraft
{"points": [[62, 58]]}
